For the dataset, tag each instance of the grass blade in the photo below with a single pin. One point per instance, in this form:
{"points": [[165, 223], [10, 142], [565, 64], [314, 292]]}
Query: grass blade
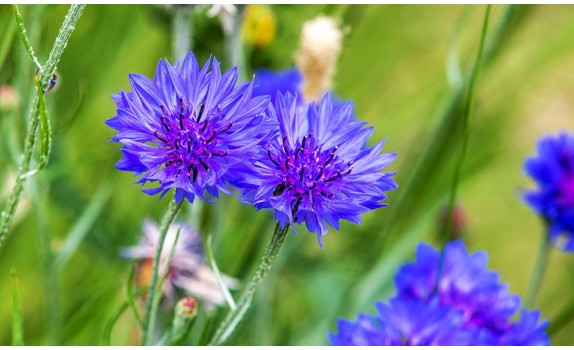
{"points": [[83, 225], [112, 322], [220, 281], [469, 102], [131, 296], [25, 40], [45, 128]]}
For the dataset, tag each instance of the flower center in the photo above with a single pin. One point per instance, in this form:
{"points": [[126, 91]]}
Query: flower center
{"points": [[307, 170], [190, 139]]}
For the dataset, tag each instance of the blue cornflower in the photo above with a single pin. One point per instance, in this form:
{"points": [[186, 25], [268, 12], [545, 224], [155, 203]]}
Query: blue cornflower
{"points": [[187, 127], [476, 308], [465, 284], [318, 168], [267, 82], [404, 322], [553, 170]]}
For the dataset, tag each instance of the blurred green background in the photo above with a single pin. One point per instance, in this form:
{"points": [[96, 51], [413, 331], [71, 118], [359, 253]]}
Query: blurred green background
{"points": [[393, 67]]}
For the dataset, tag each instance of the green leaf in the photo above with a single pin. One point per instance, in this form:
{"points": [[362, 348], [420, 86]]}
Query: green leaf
{"points": [[25, 40], [115, 317], [45, 128], [112, 322]]}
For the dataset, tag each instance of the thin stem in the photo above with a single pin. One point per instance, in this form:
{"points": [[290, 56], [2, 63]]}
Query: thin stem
{"points": [[181, 31], [431, 154], [152, 301], [538, 271], [59, 45], [467, 114], [235, 316]]}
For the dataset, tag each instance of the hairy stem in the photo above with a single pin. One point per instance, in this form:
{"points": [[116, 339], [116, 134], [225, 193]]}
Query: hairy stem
{"points": [[152, 302], [236, 315], [24, 166]]}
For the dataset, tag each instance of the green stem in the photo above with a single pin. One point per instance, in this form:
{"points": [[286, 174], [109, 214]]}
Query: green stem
{"points": [[467, 114], [431, 154], [152, 301], [235, 316], [538, 271], [181, 31], [59, 45]]}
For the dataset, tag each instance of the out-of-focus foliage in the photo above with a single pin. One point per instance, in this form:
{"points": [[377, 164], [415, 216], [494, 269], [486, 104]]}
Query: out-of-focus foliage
{"points": [[393, 67]]}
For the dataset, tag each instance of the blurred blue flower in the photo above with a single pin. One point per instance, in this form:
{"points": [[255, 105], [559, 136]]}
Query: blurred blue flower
{"points": [[318, 169], [187, 127], [466, 299], [267, 82], [465, 284], [553, 170], [404, 322]]}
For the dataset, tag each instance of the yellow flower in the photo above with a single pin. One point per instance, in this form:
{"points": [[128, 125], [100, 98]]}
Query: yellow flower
{"points": [[259, 25]]}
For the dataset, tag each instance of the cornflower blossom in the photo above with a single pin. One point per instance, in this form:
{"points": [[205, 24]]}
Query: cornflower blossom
{"points": [[187, 270], [404, 322], [553, 171], [186, 128], [317, 169], [451, 299]]}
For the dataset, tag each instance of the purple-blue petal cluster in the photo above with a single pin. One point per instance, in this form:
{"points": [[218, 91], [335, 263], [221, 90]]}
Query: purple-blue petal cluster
{"points": [[318, 169], [553, 171], [446, 300], [404, 322], [187, 128]]}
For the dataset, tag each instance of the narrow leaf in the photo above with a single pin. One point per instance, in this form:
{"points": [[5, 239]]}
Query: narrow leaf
{"points": [[45, 128], [131, 296], [220, 281], [25, 40], [115, 317]]}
